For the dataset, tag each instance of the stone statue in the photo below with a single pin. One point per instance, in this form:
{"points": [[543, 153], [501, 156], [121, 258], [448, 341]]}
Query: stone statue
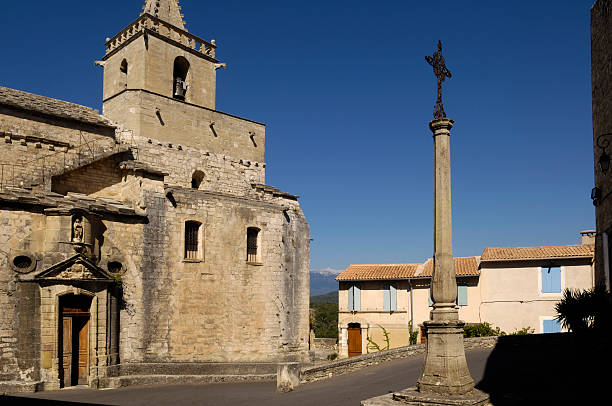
{"points": [[441, 72], [77, 230]]}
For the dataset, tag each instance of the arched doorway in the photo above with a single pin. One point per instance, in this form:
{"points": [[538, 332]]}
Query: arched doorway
{"points": [[74, 339], [354, 339]]}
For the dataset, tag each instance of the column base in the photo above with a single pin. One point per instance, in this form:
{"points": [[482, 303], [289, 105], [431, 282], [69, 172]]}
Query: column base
{"points": [[412, 396], [445, 370]]}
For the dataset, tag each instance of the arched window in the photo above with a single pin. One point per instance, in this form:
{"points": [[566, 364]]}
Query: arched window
{"points": [[192, 240], [181, 69], [123, 69], [253, 245], [196, 179]]}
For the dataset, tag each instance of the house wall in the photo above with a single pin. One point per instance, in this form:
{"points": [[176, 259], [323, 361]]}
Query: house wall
{"points": [[512, 297], [372, 316], [601, 74]]}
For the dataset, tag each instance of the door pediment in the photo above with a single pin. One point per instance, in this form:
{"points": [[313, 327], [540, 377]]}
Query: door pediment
{"points": [[75, 268]]}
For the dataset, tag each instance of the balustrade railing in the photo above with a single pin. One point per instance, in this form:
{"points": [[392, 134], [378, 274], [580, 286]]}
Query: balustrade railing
{"points": [[152, 23]]}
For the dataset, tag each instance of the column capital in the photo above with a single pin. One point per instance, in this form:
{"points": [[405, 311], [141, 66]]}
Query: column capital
{"points": [[441, 126]]}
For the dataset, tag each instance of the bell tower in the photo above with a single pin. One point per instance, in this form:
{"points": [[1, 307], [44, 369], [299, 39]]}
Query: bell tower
{"points": [[156, 57]]}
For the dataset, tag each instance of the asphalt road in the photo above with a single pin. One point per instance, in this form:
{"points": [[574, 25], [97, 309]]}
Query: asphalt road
{"points": [[347, 389]]}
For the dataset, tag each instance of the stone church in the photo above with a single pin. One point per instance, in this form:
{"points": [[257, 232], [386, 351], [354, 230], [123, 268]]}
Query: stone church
{"points": [[143, 245]]}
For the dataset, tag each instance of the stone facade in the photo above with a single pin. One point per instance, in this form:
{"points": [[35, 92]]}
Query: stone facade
{"points": [[601, 72], [151, 226]]}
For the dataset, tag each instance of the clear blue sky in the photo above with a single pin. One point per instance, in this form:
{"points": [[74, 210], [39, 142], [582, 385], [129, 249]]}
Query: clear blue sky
{"points": [[347, 96]]}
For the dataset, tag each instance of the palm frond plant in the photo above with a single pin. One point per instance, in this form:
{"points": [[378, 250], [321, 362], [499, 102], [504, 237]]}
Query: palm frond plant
{"points": [[585, 310]]}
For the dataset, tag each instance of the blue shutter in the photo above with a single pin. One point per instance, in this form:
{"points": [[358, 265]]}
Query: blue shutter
{"points": [[351, 295], [552, 326], [393, 294], [429, 297], [551, 280], [462, 295], [386, 298], [555, 279], [357, 299]]}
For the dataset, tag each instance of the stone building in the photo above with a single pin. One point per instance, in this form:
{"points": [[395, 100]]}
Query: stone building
{"points": [[512, 288], [601, 73], [142, 245]]}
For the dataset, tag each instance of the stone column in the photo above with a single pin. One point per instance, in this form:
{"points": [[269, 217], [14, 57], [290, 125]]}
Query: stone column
{"points": [[446, 378], [445, 370]]}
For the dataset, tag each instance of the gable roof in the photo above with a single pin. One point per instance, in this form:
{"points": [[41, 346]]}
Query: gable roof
{"points": [[51, 107], [377, 272], [531, 253], [464, 266]]}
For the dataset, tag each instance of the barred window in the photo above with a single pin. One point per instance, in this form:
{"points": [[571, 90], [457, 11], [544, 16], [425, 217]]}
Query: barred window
{"points": [[192, 229], [252, 244]]}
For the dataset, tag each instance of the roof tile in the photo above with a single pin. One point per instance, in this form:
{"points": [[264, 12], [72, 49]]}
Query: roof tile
{"points": [[527, 253], [378, 272]]}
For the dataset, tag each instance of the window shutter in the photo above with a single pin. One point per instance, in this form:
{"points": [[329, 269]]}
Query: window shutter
{"points": [[555, 280], [551, 280], [429, 297], [357, 299], [552, 326], [386, 298], [351, 295], [462, 295], [393, 294]]}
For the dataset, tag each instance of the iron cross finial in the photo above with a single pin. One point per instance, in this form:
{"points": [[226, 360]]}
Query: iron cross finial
{"points": [[441, 72]]}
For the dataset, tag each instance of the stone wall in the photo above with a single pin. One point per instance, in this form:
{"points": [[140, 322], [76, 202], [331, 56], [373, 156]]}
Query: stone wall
{"points": [[174, 122], [33, 147], [601, 72], [326, 344], [349, 365]]}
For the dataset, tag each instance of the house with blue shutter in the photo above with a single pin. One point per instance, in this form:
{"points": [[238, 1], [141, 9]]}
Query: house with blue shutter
{"points": [[509, 287]]}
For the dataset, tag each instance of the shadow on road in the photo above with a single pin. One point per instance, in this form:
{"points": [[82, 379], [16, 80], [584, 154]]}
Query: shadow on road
{"points": [[18, 401], [548, 369]]}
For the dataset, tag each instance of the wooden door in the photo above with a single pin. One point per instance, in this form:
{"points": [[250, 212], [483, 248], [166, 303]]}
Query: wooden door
{"points": [[66, 351], [354, 341], [83, 350]]}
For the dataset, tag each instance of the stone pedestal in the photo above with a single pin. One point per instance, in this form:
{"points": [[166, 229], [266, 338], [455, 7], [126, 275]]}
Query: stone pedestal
{"points": [[287, 376]]}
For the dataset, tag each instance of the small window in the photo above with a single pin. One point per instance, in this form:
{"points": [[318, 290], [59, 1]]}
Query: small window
{"points": [[196, 179], [253, 245], [124, 67], [124, 73], [181, 69], [354, 298], [462, 295], [192, 246], [389, 298], [551, 279]]}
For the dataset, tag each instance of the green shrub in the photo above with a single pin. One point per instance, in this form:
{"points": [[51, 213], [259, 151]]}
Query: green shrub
{"points": [[412, 340], [325, 323], [481, 330], [332, 356], [585, 310], [523, 332]]}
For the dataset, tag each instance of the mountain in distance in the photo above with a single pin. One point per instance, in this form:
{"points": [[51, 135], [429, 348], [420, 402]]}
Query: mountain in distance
{"points": [[323, 281]]}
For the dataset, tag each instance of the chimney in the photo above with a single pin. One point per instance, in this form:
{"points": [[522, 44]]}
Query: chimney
{"points": [[588, 237]]}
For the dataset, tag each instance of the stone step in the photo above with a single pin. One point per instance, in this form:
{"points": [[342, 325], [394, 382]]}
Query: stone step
{"points": [[20, 387], [131, 380]]}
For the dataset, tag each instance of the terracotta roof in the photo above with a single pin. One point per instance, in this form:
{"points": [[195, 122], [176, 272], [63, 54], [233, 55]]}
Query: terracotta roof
{"points": [[527, 253], [51, 107], [464, 266], [378, 272]]}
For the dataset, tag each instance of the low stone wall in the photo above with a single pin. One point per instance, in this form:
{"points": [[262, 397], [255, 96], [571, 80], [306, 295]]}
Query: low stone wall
{"points": [[348, 365], [326, 344]]}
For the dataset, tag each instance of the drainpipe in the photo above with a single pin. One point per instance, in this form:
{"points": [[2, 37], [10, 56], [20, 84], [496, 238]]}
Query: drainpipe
{"points": [[411, 307], [606, 260]]}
